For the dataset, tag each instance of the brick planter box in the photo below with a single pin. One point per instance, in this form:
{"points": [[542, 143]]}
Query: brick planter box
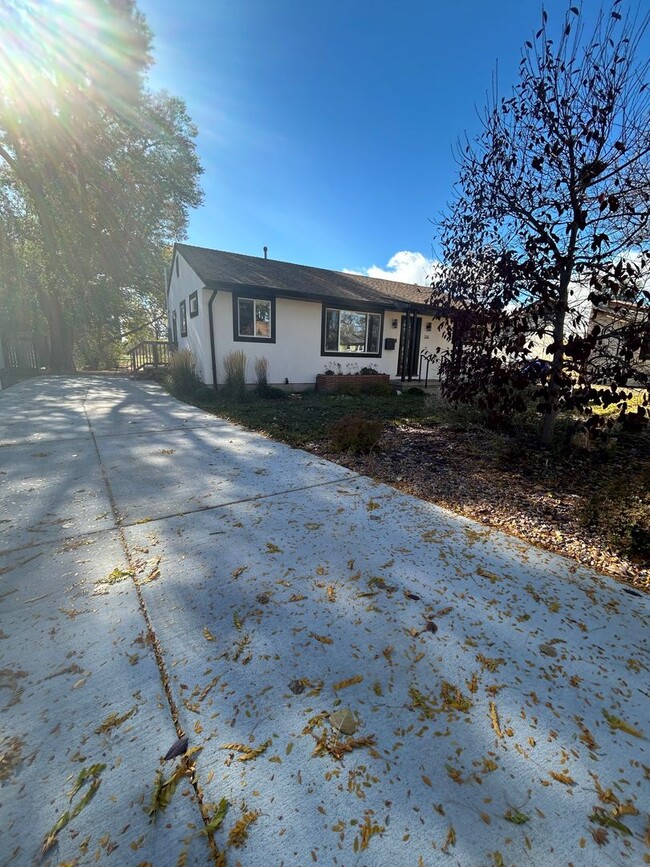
{"points": [[330, 384]]}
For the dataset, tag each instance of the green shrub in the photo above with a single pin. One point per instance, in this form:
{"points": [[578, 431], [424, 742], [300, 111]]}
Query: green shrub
{"points": [[350, 388], [380, 389], [355, 433], [621, 512], [234, 366], [270, 392], [182, 378], [414, 392]]}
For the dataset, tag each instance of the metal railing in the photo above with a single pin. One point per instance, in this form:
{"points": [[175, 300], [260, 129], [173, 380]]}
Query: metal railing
{"points": [[150, 354], [19, 352], [427, 356]]}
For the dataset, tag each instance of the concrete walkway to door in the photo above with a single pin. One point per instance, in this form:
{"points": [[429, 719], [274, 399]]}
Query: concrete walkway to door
{"points": [[165, 572]]}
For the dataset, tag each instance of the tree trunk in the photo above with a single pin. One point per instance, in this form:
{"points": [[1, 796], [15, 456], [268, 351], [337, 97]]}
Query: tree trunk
{"points": [[557, 365], [61, 360]]}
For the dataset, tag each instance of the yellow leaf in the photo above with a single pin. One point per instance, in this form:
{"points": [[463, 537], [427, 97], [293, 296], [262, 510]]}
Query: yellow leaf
{"points": [[618, 723], [113, 721], [342, 684], [563, 778], [324, 639], [208, 635], [494, 717], [239, 831], [450, 839], [490, 663], [247, 753]]}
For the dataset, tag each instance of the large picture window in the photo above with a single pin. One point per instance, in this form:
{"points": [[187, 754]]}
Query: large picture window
{"points": [[254, 318], [351, 332]]}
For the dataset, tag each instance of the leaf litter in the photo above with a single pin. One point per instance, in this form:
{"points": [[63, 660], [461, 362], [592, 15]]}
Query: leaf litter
{"points": [[164, 788], [91, 774]]}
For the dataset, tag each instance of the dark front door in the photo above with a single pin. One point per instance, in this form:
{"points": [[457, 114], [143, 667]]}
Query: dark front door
{"points": [[409, 346]]}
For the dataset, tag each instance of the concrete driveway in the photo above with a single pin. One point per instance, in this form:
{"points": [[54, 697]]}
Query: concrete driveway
{"points": [[164, 572]]}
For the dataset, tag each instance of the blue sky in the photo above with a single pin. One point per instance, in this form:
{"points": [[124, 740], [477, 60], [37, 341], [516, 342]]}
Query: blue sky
{"points": [[326, 129]]}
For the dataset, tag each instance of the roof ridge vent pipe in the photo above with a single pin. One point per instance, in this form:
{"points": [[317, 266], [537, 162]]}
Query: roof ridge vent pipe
{"points": [[266, 252]]}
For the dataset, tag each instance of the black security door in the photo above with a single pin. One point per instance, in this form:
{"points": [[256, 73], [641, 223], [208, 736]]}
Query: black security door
{"points": [[409, 345]]}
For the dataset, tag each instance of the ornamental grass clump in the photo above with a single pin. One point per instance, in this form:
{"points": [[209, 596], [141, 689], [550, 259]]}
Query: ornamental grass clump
{"points": [[182, 378], [234, 366], [262, 373]]}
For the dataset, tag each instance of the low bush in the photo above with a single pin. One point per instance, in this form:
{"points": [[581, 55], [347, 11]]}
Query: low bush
{"points": [[355, 433], [620, 511], [270, 392], [350, 388], [181, 378], [380, 389]]}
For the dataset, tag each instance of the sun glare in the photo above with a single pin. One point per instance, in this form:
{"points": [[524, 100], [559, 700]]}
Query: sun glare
{"points": [[70, 50]]}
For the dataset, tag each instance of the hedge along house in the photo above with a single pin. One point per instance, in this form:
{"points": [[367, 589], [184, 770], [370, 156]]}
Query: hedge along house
{"points": [[303, 320]]}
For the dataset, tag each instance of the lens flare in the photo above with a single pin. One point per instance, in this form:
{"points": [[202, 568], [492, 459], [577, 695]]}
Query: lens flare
{"points": [[61, 58]]}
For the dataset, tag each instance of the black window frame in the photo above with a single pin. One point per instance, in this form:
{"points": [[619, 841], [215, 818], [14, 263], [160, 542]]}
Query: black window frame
{"points": [[182, 307], [251, 296], [351, 308], [174, 335], [194, 304]]}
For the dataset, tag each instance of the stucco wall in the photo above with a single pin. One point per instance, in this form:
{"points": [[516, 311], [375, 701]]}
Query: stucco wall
{"points": [[198, 332], [296, 354]]}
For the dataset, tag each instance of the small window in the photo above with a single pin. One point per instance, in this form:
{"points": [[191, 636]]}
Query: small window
{"points": [[254, 319], [194, 304], [351, 332], [174, 328], [177, 274], [183, 310]]}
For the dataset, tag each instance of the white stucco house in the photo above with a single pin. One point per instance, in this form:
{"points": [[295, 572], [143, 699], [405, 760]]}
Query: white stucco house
{"points": [[303, 320]]}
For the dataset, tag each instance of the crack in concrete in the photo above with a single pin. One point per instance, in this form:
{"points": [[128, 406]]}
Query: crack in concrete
{"points": [[153, 638]]}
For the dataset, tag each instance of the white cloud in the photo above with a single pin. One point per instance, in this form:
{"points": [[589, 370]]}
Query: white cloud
{"points": [[403, 267]]}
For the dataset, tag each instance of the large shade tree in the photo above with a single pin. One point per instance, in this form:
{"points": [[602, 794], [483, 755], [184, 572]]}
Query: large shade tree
{"points": [[551, 212], [97, 172]]}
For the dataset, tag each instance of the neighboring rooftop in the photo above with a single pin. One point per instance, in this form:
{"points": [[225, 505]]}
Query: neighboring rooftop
{"points": [[221, 270]]}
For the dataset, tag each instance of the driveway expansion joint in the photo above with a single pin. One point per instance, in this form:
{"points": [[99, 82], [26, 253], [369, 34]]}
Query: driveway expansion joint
{"points": [[152, 637], [200, 509]]}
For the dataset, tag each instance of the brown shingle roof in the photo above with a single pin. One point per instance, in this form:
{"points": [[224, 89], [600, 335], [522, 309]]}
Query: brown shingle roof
{"points": [[220, 270]]}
